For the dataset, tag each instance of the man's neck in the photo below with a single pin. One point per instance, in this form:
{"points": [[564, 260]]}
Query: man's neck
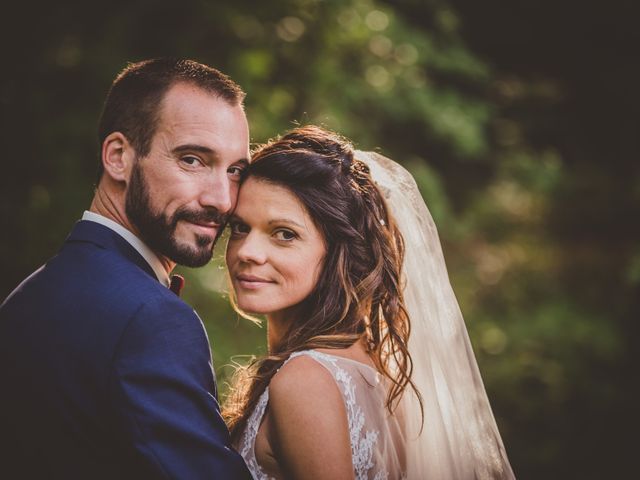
{"points": [[103, 204]]}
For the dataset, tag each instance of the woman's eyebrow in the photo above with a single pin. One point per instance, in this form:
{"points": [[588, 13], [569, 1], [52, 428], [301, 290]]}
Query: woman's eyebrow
{"points": [[237, 218], [286, 220]]}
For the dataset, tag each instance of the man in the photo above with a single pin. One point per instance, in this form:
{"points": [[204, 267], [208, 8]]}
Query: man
{"points": [[105, 372]]}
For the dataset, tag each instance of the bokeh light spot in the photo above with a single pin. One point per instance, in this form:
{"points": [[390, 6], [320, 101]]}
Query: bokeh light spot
{"points": [[378, 76], [377, 20], [290, 29], [406, 54], [380, 45], [493, 340]]}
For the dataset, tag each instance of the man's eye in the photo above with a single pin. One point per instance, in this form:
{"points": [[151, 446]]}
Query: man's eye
{"points": [[190, 160], [236, 171], [286, 235]]}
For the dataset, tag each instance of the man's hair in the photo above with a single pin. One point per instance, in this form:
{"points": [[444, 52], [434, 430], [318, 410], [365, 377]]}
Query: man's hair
{"points": [[134, 101]]}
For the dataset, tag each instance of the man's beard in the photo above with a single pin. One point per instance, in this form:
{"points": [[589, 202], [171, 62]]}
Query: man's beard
{"points": [[159, 231]]}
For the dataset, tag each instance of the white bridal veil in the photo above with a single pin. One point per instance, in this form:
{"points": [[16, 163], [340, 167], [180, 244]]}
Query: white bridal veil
{"points": [[460, 439]]}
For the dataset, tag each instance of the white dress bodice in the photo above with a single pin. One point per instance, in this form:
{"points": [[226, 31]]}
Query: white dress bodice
{"points": [[377, 437]]}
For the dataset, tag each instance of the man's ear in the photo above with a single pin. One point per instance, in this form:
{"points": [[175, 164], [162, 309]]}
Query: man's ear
{"points": [[117, 157]]}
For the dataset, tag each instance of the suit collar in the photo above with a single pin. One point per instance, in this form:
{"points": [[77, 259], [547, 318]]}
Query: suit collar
{"points": [[149, 255], [104, 237]]}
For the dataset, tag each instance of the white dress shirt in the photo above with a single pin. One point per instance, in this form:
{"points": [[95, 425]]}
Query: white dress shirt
{"points": [[151, 258]]}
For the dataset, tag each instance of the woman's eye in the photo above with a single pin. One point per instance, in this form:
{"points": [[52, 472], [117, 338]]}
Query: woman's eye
{"points": [[190, 160], [286, 235], [238, 228]]}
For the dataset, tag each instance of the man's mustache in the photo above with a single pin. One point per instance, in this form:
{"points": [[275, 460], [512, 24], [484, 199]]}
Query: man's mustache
{"points": [[200, 216]]}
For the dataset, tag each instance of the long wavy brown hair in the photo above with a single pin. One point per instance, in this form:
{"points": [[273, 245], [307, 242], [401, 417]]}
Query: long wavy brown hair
{"points": [[359, 293]]}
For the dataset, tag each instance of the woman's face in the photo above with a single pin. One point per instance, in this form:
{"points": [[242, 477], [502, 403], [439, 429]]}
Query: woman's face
{"points": [[275, 252]]}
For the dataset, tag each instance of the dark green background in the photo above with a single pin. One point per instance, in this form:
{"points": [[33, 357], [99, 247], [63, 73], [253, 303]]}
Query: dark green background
{"points": [[519, 120]]}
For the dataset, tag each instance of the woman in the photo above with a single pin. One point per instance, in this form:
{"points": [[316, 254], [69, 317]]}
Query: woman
{"points": [[342, 393]]}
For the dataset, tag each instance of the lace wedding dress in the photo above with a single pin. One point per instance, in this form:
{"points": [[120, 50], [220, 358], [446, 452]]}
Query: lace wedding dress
{"points": [[377, 438]]}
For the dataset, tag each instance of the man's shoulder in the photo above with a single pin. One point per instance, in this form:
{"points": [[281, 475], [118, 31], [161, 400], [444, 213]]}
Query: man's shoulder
{"points": [[126, 284], [93, 281], [96, 272]]}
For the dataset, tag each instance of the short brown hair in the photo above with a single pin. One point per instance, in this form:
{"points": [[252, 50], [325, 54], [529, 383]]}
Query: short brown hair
{"points": [[133, 103]]}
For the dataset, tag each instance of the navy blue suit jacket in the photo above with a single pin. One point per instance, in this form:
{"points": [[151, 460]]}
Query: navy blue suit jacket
{"points": [[105, 373]]}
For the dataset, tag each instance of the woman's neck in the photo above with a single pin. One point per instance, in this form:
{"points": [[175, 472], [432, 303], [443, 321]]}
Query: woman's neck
{"points": [[277, 327]]}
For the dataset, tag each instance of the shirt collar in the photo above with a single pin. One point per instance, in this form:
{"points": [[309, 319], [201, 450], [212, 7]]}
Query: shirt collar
{"points": [[150, 257]]}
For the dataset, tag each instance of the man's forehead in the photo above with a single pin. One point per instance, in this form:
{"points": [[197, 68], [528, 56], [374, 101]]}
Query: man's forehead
{"points": [[187, 99], [199, 117]]}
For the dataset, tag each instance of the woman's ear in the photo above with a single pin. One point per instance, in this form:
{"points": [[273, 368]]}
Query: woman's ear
{"points": [[117, 157]]}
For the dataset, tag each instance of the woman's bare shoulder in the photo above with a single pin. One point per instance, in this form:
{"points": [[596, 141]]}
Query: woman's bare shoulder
{"points": [[301, 377], [309, 421]]}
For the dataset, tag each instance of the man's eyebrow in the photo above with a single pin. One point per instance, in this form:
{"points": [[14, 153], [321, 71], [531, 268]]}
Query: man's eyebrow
{"points": [[191, 147]]}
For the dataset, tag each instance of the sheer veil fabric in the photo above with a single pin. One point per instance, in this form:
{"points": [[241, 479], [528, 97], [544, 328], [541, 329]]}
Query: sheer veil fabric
{"points": [[460, 438]]}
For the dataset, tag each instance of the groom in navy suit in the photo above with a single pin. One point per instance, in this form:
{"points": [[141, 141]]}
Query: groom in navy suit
{"points": [[105, 372]]}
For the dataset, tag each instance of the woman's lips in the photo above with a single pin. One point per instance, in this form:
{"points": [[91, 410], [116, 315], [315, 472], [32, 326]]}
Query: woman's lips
{"points": [[252, 282]]}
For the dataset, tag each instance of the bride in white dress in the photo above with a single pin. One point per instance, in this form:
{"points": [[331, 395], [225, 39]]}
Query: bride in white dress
{"points": [[370, 374]]}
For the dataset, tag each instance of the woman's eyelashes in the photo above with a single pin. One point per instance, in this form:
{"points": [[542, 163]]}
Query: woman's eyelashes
{"points": [[280, 234], [238, 228], [285, 235]]}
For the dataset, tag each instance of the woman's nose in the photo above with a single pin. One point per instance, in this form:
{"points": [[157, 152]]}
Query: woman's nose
{"points": [[252, 249]]}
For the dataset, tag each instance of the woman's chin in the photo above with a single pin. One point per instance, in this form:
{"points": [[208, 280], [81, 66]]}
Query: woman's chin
{"points": [[252, 309]]}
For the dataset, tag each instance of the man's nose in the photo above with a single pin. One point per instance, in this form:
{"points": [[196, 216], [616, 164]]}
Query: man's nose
{"points": [[219, 193]]}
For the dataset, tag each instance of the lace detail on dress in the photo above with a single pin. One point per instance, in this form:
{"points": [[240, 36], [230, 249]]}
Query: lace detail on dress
{"points": [[248, 439], [364, 442]]}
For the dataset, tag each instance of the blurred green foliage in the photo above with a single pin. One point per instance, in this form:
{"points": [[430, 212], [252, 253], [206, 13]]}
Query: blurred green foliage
{"points": [[518, 120]]}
